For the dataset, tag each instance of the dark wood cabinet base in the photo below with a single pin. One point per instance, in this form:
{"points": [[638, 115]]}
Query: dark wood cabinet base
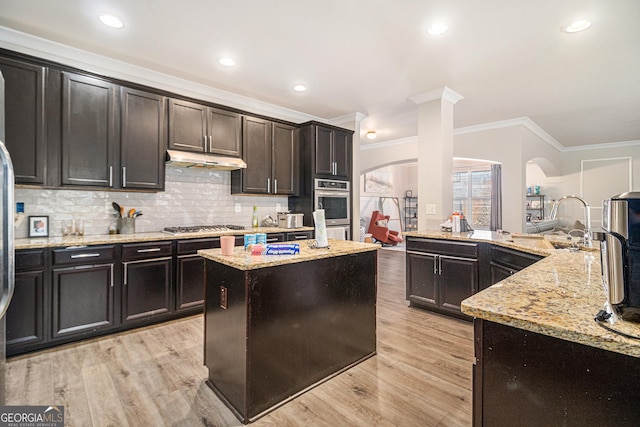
{"points": [[271, 333], [525, 378]]}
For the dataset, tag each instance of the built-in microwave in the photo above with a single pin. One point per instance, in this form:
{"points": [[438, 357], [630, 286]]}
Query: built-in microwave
{"points": [[335, 198]]}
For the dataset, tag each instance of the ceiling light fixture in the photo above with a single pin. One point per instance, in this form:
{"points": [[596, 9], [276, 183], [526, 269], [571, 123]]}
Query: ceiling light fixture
{"points": [[437, 29], [111, 21], [577, 26], [372, 134], [227, 62], [299, 88]]}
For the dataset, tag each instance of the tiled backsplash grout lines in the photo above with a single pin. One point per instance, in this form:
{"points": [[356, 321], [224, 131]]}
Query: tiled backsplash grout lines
{"points": [[191, 197]]}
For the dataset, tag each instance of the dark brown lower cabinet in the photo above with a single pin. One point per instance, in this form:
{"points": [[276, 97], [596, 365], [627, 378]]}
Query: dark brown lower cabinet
{"points": [[146, 283], [26, 313], [82, 299], [441, 275], [505, 262]]}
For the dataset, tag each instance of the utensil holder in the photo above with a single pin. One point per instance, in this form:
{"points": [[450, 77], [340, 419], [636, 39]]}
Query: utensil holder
{"points": [[126, 225]]}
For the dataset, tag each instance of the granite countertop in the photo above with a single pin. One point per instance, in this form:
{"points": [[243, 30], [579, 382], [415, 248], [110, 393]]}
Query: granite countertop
{"points": [[557, 296], [106, 239], [479, 236], [243, 260]]}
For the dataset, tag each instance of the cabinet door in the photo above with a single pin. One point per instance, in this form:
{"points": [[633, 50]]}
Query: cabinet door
{"points": [[224, 132], [24, 120], [146, 288], [256, 146], [143, 141], [88, 131], [25, 313], [187, 125], [499, 272], [324, 158], [285, 164], [342, 154], [459, 280], [421, 278], [82, 299], [190, 283]]}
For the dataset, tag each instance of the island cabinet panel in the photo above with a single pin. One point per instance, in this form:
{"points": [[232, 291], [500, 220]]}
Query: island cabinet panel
{"points": [[272, 332], [526, 378], [25, 120], [441, 274]]}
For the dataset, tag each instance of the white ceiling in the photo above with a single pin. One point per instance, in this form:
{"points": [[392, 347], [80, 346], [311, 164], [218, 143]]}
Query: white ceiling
{"points": [[508, 59]]}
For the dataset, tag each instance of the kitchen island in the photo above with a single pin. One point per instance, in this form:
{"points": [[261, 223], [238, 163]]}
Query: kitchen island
{"points": [[541, 359], [276, 325]]}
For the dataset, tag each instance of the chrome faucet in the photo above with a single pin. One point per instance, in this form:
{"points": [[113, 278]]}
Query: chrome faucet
{"points": [[588, 240]]}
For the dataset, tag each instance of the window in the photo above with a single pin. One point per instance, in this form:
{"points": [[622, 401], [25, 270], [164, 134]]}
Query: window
{"points": [[472, 196]]}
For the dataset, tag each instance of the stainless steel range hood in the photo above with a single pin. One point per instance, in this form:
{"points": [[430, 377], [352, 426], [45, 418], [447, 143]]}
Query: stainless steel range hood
{"points": [[203, 160]]}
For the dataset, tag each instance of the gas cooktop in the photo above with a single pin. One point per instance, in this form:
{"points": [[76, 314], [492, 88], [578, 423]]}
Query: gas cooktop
{"points": [[201, 229]]}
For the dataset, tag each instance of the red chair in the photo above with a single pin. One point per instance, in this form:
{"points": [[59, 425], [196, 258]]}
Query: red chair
{"points": [[379, 230]]}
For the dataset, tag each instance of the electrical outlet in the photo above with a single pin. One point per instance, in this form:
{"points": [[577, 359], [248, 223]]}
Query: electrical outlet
{"points": [[238, 207], [431, 209], [278, 207]]}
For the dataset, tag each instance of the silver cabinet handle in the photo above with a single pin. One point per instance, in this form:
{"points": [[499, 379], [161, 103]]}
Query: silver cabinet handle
{"points": [[112, 275], [84, 256], [210, 143], [273, 239], [275, 186], [300, 237], [124, 177], [205, 143], [143, 251], [110, 176], [268, 185], [124, 273]]}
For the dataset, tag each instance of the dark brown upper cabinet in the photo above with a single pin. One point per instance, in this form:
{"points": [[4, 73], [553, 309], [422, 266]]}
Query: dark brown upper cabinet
{"points": [[143, 140], [333, 152], [89, 139], [272, 155], [203, 129], [112, 136], [25, 120]]}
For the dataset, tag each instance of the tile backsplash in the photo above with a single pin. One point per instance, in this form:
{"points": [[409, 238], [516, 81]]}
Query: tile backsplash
{"points": [[191, 197]]}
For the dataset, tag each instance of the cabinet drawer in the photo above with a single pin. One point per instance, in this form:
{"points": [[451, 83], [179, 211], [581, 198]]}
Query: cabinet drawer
{"points": [[91, 254], [512, 259], [275, 237], [192, 246], [443, 247], [299, 235], [146, 250], [29, 259]]}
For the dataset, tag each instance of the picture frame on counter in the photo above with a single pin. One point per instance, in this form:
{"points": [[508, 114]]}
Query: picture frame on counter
{"points": [[38, 226], [408, 193]]}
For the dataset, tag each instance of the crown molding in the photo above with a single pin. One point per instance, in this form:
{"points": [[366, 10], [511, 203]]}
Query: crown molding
{"points": [[348, 118], [607, 145], [443, 93], [50, 50], [387, 144], [520, 121]]}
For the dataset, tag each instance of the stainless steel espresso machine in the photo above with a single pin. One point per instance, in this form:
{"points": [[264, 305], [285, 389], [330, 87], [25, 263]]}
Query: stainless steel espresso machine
{"points": [[620, 254]]}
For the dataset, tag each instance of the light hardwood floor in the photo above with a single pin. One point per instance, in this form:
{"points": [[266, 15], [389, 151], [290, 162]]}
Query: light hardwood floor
{"points": [[421, 375]]}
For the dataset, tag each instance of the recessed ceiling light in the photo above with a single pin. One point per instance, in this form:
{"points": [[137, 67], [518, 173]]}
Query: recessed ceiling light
{"points": [[578, 26], [111, 21], [299, 88], [227, 62], [437, 29], [372, 134]]}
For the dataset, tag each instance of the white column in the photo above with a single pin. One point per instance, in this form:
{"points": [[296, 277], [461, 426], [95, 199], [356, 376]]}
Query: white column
{"points": [[435, 156], [352, 121]]}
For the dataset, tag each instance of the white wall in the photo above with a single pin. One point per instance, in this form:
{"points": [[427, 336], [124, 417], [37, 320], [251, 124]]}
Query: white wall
{"points": [[191, 197]]}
